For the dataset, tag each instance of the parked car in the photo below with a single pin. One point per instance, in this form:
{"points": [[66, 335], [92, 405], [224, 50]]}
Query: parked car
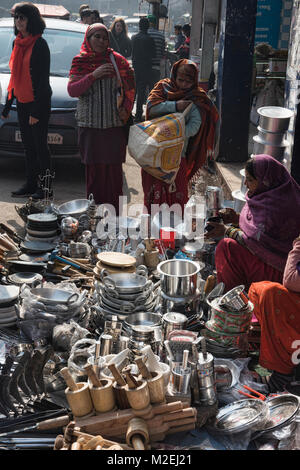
{"points": [[64, 39]]}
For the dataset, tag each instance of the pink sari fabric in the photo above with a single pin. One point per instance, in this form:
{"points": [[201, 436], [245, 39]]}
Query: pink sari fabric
{"points": [[270, 219]]}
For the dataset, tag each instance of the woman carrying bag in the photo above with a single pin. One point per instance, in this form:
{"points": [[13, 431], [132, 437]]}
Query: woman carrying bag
{"points": [[171, 96], [29, 84]]}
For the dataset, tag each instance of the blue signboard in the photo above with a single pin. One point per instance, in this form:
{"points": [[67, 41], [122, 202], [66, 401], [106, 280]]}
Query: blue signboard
{"points": [[268, 20]]}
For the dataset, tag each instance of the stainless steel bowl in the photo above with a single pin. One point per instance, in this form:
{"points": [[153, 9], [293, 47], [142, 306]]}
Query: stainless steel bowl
{"points": [[73, 208], [179, 278], [236, 298]]}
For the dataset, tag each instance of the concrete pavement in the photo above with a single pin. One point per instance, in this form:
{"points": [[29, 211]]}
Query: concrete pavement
{"points": [[69, 184]]}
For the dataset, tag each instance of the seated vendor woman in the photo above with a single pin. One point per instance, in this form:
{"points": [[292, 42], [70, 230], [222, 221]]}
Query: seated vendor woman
{"points": [[277, 308], [257, 242]]}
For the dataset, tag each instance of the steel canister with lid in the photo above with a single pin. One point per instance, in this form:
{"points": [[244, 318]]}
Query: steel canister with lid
{"points": [[206, 379], [173, 321]]}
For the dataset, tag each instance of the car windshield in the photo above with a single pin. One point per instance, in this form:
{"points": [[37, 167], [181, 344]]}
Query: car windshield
{"points": [[63, 45], [133, 27]]}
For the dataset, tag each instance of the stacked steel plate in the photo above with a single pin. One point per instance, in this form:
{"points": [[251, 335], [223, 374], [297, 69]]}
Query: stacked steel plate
{"points": [[41, 227]]}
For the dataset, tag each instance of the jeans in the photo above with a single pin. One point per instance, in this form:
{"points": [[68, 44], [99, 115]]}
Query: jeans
{"points": [[34, 138]]}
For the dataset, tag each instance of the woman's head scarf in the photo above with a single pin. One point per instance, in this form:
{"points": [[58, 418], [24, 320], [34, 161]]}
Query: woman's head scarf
{"points": [[270, 219], [88, 60]]}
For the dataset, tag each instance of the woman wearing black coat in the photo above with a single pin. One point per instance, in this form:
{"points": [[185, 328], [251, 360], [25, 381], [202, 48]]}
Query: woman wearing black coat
{"points": [[118, 38], [29, 85]]}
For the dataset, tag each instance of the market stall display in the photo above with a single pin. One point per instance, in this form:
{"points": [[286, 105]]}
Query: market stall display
{"points": [[114, 341]]}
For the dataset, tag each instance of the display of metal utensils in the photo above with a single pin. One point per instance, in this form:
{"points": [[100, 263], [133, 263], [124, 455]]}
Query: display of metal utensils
{"points": [[240, 416], [173, 321], [142, 336], [235, 299], [179, 278]]}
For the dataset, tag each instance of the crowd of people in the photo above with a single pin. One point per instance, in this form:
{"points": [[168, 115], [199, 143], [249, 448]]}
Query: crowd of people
{"points": [[259, 248]]}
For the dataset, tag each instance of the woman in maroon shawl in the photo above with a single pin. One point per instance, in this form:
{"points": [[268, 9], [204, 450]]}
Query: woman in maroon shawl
{"points": [[256, 246], [104, 83]]}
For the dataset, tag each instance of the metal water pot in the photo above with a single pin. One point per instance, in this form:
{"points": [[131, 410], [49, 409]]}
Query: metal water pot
{"points": [[179, 278]]}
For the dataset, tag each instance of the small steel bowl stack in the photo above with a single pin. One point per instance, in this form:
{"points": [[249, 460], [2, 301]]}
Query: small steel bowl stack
{"points": [[230, 318]]}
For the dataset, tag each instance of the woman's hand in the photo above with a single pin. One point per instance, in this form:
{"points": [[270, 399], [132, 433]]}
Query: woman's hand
{"points": [[214, 230], [104, 71], [181, 105], [33, 120], [229, 216]]}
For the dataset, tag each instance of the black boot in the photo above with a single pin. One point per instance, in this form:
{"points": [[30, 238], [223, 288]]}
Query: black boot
{"points": [[38, 194], [25, 190]]}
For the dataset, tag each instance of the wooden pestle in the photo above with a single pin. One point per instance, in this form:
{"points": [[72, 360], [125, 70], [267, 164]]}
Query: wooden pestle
{"points": [[69, 379], [92, 376], [117, 376], [143, 368], [131, 381]]}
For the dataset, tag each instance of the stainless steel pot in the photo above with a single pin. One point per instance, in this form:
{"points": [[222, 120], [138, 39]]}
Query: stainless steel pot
{"points": [[173, 321], [273, 138], [143, 319], [179, 278], [274, 118], [276, 151]]}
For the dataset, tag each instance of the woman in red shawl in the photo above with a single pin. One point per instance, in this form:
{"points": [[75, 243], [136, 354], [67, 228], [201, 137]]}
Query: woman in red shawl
{"points": [[174, 95], [104, 83], [256, 248]]}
